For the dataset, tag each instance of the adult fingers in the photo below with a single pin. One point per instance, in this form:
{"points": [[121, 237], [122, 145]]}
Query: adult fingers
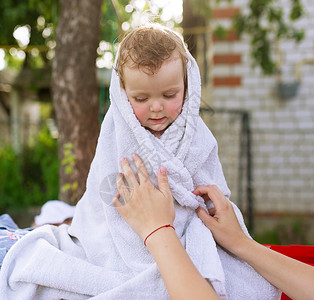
{"points": [[202, 190], [141, 169], [214, 194], [128, 173], [212, 211], [122, 188], [205, 217], [116, 201], [197, 192], [162, 179], [119, 206]]}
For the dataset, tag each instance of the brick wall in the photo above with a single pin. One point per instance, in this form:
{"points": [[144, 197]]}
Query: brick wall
{"points": [[282, 130]]}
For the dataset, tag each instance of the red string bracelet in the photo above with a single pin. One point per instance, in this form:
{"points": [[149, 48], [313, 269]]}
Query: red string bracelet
{"points": [[168, 225]]}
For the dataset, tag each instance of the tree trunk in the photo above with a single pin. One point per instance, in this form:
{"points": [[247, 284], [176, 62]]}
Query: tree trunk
{"points": [[75, 92]]}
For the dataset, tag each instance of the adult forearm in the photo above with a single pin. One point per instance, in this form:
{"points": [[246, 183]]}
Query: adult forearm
{"points": [[182, 279], [292, 277]]}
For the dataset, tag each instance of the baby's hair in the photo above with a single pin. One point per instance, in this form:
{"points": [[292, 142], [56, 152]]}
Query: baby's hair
{"points": [[147, 47]]}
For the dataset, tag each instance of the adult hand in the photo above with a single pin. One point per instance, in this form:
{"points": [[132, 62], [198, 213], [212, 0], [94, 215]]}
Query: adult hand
{"points": [[146, 208], [221, 219]]}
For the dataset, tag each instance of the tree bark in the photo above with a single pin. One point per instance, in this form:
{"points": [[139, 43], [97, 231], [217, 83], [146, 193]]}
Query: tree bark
{"points": [[75, 90]]}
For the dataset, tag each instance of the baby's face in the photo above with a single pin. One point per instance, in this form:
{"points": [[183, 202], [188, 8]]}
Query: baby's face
{"points": [[156, 99]]}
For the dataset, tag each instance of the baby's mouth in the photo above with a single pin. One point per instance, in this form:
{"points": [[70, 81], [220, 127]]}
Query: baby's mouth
{"points": [[157, 120]]}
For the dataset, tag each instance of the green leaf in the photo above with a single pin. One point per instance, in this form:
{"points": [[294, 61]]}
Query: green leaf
{"points": [[74, 185], [68, 170], [66, 187]]}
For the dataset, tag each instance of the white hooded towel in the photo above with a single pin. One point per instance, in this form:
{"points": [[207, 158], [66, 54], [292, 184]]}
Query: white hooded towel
{"points": [[99, 256]]}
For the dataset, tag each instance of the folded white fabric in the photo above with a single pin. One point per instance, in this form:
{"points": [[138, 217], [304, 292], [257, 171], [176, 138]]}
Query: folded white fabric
{"points": [[99, 255], [54, 212]]}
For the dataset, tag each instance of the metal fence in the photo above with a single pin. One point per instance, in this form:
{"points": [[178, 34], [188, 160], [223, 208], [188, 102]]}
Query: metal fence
{"points": [[232, 131], [270, 172]]}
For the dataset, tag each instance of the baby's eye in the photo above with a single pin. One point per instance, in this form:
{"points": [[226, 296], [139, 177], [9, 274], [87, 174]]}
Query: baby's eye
{"points": [[170, 95], [140, 99]]}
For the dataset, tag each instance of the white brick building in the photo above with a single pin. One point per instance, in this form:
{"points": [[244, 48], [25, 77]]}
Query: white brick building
{"points": [[282, 131]]}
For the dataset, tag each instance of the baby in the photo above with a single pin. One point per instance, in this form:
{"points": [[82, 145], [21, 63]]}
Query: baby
{"points": [[152, 67], [154, 112]]}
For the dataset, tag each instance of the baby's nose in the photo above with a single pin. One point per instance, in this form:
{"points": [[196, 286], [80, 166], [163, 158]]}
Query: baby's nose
{"points": [[156, 106]]}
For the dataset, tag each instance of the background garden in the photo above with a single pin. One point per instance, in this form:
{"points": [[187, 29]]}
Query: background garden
{"points": [[56, 59]]}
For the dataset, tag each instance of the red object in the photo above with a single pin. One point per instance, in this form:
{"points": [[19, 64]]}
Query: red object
{"points": [[227, 59], [301, 253], [225, 13], [230, 81], [156, 230]]}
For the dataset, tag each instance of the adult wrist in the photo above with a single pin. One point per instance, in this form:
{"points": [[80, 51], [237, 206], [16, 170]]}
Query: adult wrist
{"points": [[243, 246], [166, 226], [161, 238]]}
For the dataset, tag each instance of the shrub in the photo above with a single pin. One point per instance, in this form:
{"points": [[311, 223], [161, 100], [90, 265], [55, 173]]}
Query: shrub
{"points": [[31, 177], [288, 231]]}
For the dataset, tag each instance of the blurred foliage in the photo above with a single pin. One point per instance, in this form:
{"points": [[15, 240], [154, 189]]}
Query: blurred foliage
{"points": [[204, 7], [114, 15], [69, 163], [266, 23], [117, 13], [263, 21], [220, 31], [15, 13], [31, 177], [39, 16], [290, 231]]}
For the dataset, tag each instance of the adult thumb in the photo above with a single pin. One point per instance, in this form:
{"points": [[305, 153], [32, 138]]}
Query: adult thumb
{"points": [[205, 217], [162, 179]]}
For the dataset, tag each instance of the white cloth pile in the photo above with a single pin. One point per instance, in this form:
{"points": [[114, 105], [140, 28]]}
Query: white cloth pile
{"points": [[99, 256], [54, 212]]}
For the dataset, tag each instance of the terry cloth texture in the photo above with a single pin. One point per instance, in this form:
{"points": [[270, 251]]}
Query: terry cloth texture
{"points": [[10, 233], [99, 256], [54, 212]]}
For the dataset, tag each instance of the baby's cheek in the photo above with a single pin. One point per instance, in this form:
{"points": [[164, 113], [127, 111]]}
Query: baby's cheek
{"points": [[140, 113], [176, 109]]}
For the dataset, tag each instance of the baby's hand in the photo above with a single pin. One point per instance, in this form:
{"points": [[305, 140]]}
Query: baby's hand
{"points": [[221, 219], [146, 208]]}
